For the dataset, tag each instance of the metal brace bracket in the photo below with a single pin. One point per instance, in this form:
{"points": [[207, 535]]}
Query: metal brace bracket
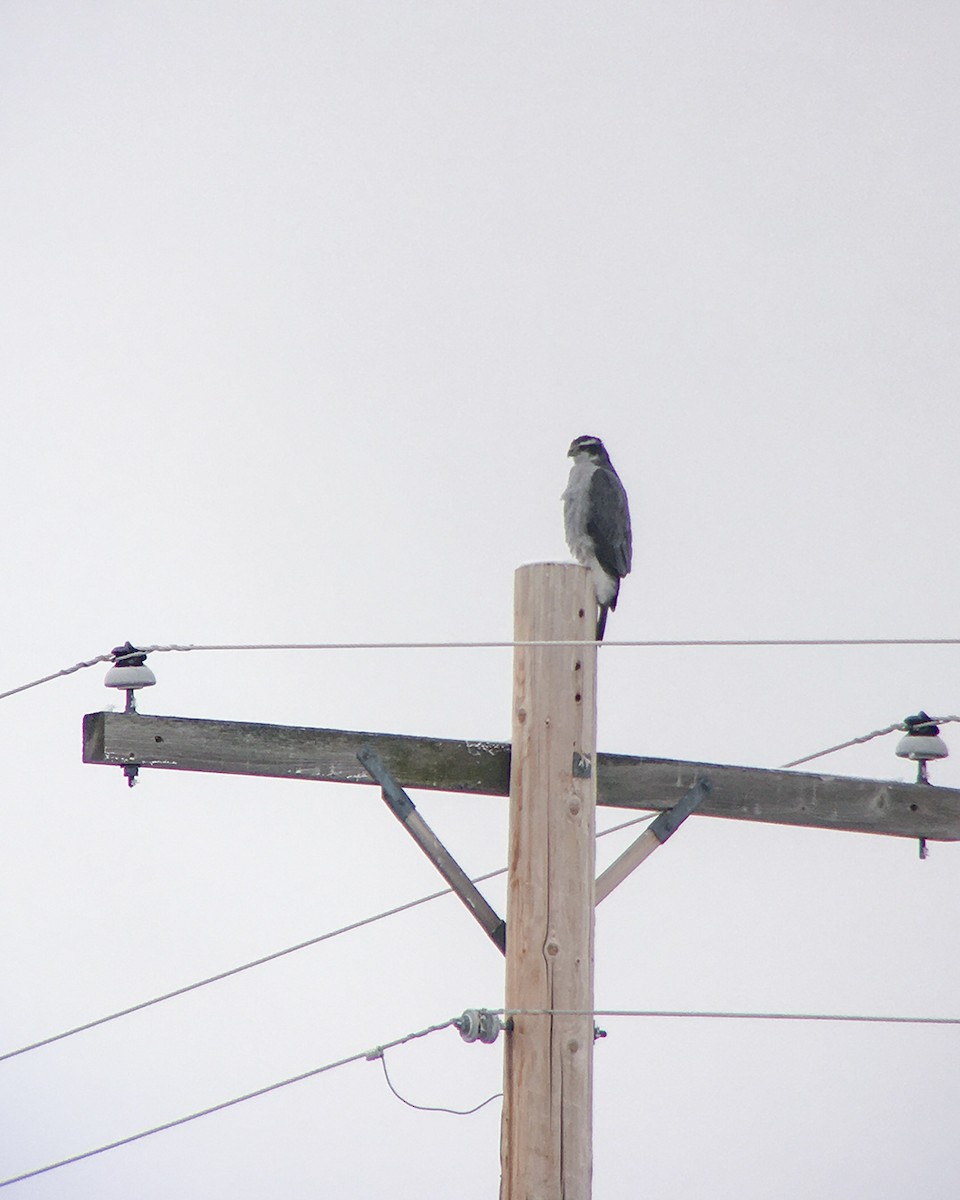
{"points": [[406, 813], [653, 836], [582, 765]]}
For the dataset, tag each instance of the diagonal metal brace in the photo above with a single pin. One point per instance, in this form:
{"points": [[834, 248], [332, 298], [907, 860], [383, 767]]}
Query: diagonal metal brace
{"points": [[405, 811], [653, 836]]}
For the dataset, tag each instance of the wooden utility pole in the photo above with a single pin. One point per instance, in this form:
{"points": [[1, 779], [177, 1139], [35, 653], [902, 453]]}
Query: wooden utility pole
{"points": [[554, 777], [546, 1150]]}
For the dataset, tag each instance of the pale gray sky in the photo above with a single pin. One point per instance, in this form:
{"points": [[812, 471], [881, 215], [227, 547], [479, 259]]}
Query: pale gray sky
{"points": [[302, 304]]}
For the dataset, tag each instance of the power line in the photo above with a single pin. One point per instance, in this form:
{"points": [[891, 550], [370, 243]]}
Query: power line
{"points": [[900, 726], [623, 825], [705, 1014], [80, 666], [650, 644], [897, 726], [266, 958], [379, 1051], [257, 962], [507, 645], [214, 1108]]}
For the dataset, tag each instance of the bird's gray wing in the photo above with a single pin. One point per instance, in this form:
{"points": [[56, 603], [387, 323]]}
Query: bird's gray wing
{"points": [[608, 523]]}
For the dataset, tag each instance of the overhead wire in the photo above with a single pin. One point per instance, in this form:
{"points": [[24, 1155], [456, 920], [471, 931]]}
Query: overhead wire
{"points": [[273, 956], [247, 966], [896, 726], [509, 643], [714, 1015], [379, 1051], [80, 666], [370, 920], [215, 1108], [646, 644], [436, 895], [900, 726]]}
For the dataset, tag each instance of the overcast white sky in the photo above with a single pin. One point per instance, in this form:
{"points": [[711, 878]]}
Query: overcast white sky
{"points": [[301, 305]]}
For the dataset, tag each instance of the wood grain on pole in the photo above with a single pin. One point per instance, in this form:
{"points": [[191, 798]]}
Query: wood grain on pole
{"points": [[546, 1129]]}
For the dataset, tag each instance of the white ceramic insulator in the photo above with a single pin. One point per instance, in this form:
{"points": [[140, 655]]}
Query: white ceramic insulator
{"points": [[129, 677], [921, 748]]}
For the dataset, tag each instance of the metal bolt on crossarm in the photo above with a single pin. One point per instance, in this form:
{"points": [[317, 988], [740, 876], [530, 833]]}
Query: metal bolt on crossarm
{"points": [[921, 744], [130, 673]]}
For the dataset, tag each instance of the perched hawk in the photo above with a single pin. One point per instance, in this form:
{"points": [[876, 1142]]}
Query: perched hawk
{"points": [[596, 519]]}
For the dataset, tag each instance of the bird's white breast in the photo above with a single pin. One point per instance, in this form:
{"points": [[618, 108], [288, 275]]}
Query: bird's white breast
{"points": [[576, 510]]}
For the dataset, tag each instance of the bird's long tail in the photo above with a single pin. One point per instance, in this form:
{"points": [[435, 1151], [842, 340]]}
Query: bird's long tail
{"points": [[602, 621]]}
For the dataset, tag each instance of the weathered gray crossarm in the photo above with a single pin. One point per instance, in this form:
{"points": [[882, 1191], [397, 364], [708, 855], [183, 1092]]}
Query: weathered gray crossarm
{"points": [[624, 781], [293, 752]]}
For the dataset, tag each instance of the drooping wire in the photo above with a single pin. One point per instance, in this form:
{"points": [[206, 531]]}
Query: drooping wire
{"points": [[456, 1112], [900, 726], [266, 958], [215, 1108]]}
